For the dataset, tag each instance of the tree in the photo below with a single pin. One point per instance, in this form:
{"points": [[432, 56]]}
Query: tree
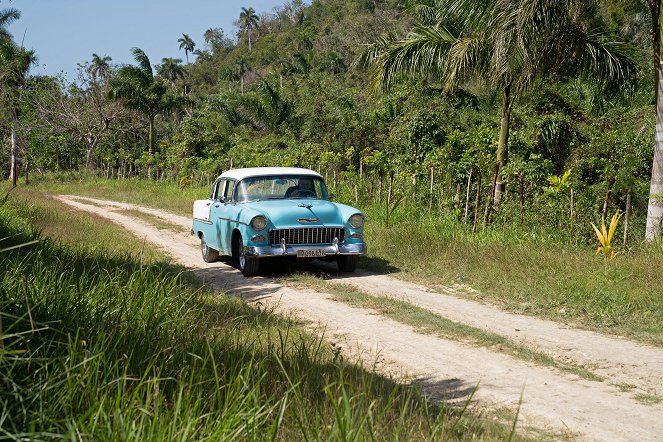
{"points": [[100, 68], [655, 207], [187, 44], [248, 20], [85, 113], [171, 69], [7, 17], [138, 89], [15, 63], [510, 44]]}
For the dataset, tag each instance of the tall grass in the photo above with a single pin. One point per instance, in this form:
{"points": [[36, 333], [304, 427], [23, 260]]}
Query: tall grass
{"points": [[96, 345]]}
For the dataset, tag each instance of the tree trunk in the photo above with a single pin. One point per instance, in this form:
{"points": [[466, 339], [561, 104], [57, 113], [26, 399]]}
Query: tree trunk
{"points": [[521, 178], [502, 148], [150, 147], [611, 183], [432, 187], [391, 187], [414, 187], [476, 204], [27, 172], [13, 171], [627, 213], [380, 185], [457, 197], [655, 208], [467, 195]]}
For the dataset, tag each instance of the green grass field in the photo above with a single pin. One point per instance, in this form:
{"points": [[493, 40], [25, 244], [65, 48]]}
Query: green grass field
{"points": [[525, 270], [102, 340]]}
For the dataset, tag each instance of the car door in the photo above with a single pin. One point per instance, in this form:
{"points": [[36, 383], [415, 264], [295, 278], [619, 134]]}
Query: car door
{"points": [[222, 213]]}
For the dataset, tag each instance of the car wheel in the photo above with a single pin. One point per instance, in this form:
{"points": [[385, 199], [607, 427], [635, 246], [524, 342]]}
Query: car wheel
{"points": [[248, 265], [347, 263], [209, 254]]}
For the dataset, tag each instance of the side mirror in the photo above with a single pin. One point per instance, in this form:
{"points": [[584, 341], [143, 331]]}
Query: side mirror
{"points": [[330, 197]]}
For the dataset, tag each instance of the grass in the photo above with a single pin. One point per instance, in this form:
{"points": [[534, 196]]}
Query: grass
{"points": [[428, 322], [98, 343], [157, 222], [648, 399], [532, 270]]}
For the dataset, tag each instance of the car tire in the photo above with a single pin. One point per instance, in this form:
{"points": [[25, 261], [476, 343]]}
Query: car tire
{"points": [[209, 254], [248, 265], [347, 263]]}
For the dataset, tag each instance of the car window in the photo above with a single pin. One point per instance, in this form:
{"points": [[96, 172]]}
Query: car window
{"points": [[230, 188], [280, 187], [217, 189]]}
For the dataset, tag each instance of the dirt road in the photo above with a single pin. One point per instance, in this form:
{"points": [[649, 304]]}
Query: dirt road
{"points": [[562, 403]]}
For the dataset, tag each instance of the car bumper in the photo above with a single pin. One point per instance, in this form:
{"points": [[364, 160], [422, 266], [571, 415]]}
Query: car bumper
{"points": [[287, 250]]}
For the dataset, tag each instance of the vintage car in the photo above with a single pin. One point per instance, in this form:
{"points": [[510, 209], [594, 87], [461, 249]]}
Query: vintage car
{"points": [[267, 212]]}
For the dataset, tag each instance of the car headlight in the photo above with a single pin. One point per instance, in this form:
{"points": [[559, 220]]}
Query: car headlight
{"points": [[258, 222], [356, 221]]}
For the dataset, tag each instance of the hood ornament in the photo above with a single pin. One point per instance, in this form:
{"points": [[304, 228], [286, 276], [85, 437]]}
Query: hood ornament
{"points": [[306, 206], [307, 220]]}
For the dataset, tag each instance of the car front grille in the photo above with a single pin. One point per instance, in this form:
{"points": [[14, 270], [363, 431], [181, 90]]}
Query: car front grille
{"points": [[307, 235]]}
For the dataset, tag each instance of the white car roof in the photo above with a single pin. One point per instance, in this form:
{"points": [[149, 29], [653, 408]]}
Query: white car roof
{"points": [[238, 174]]}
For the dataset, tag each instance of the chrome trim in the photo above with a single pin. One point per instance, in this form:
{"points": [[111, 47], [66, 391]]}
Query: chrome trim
{"points": [[283, 250], [202, 221], [308, 220], [306, 235], [232, 221]]}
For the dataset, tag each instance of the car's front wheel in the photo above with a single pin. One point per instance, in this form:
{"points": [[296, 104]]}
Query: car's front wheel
{"points": [[248, 265], [209, 254], [347, 263]]}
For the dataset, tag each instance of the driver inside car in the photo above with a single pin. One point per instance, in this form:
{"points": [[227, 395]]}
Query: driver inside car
{"points": [[304, 188]]}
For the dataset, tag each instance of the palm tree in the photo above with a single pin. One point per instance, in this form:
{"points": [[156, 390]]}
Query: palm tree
{"points": [[655, 207], [510, 44], [242, 67], [248, 20], [138, 89], [187, 44], [7, 17], [171, 69], [15, 63], [100, 67]]}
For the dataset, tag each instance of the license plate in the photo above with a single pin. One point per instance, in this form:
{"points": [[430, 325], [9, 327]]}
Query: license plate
{"points": [[310, 253]]}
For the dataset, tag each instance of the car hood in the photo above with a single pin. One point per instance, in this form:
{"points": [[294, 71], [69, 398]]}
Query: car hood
{"points": [[288, 213]]}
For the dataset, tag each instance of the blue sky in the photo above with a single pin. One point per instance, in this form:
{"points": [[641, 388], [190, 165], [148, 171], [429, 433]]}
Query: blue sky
{"points": [[66, 32]]}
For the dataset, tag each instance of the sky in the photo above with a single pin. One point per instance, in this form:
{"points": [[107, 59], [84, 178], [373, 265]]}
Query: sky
{"points": [[65, 33]]}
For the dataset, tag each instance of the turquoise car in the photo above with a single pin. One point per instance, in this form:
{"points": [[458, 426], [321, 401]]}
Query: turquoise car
{"points": [[270, 212]]}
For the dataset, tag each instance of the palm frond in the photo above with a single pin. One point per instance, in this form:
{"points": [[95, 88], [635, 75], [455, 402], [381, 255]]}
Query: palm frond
{"points": [[143, 61], [373, 51], [421, 53]]}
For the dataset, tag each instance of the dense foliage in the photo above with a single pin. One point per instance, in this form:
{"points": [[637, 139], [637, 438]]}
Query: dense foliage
{"points": [[287, 89]]}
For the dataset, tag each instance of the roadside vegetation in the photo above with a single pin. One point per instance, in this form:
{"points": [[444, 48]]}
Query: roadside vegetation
{"points": [[105, 342], [534, 269]]}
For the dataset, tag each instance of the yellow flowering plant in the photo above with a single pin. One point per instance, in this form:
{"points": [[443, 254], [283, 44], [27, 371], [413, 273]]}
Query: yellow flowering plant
{"points": [[605, 236]]}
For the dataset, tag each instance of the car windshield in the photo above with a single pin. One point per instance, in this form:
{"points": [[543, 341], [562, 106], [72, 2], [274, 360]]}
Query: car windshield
{"points": [[281, 187]]}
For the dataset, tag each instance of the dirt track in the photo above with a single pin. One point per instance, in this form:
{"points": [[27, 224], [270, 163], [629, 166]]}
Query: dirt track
{"points": [[551, 400]]}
